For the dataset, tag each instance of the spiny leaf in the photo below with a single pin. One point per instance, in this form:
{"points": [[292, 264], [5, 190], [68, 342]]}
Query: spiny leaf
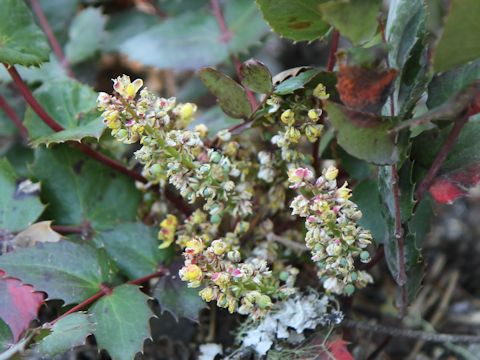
{"points": [[344, 16], [134, 247], [19, 304], [64, 270], [444, 86], [231, 96], [73, 106], [21, 41], [20, 205], [176, 297], [363, 135], [295, 19], [86, 35], [458, 43], [193, 39], [256, 76], [122, 322], [79, 189], [67, 333]]}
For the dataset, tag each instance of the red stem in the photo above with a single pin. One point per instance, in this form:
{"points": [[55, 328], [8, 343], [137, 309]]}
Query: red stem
{"points": [[57, 49], [226, 36], [12, 115], [105, 290], [440, 158], [113, 164], [330, 65], [25, 91]]}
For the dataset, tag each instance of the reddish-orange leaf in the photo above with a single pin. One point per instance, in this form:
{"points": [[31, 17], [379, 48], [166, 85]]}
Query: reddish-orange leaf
{"points": [[19, 304], [338, 349], [451, 186], [364, 89]]}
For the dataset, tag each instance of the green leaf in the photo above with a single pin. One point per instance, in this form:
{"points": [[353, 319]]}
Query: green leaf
{"points": [[46, 72], [67, 333], [412, 257], [59, 14], [64, 270], [256, 76], [176, 297], [291, 84], [85, 35], [6, 337], [344, 16], [193, 39], [444, 86], [363, 135], [72, 105], [231, 96], [458, 43], [404, 27], [122, 322], [134, 247], [367, 197], [80, 189], [21, 41], [295, 19], [20, 205]]}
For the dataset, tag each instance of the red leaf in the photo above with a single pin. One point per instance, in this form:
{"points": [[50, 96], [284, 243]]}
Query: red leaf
{"points": [[364, 89], [338, 349], [19, 304], [449, 187]]}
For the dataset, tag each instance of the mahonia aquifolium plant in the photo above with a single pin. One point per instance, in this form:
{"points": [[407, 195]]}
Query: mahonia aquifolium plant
{"points": [[223, 180]]}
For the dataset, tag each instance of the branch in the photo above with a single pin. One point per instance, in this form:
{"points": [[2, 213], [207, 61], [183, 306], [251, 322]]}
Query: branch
{"points": [[226, 36], [411, 334], [57, 49], [330, 65], [12, 115], [440, 158]]}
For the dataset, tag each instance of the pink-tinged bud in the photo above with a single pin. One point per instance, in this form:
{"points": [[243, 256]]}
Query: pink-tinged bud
{"points": [[236, 273], [311, 218], [215, 276], [336, 209]]}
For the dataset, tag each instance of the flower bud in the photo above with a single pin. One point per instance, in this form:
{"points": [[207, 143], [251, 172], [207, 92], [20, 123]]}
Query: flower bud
{"points": [[288, 117], [207, 294], [194, 246], [331, 173], [264, 302], [191, 273], [219, 247], [293, 134], [314, 114], [202, 130], [320, 92], [313, 132], [215, 157]]}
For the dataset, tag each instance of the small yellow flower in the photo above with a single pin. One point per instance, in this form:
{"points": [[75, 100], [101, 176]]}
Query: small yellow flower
{"points": [[191, 273], [207, 294], [219, 247], [194, 246], [331, 173], [344, 192], [314, 114], [126, 88], [202, 130], [293, 134], [313, 132], [288, 117], [320, 92], [168, 227]]}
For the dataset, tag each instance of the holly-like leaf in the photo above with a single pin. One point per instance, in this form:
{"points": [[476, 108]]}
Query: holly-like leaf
{"points": [[122, 322], [19, 304], [343, 16], [363, 135], [291, 84], [64, 270], [66, 333], [86, 35], [458, 43], [444, 86], [295, 19], [193, 39], [256, 76], [21, 41], [367, 197], [134, 247], [393, 252], [176, 297], [79, 189], [404, 28], [73, 106], [20, 205], [231, 96]]}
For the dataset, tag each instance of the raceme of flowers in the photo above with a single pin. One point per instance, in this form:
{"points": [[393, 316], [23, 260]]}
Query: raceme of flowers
{"points": [[333, 235], [222, 178], [171, 152]]}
